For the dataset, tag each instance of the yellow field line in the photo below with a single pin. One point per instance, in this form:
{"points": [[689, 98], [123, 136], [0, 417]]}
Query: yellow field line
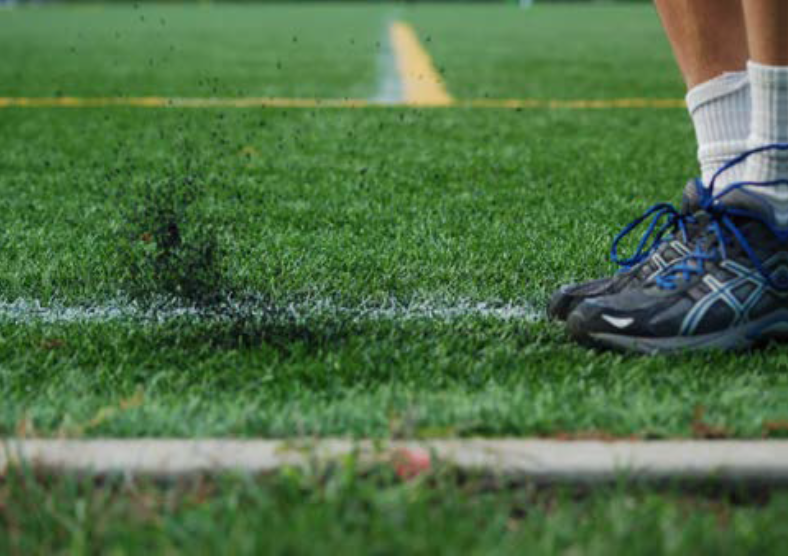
{"points": [[421, 83], [259, 102], [577, 103]]}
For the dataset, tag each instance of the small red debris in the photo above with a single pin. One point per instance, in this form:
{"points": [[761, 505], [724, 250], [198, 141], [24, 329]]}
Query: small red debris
{"points": [[410, 463]]}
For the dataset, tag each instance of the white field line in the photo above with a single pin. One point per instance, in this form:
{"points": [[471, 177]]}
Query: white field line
{"points": [[28, 311], [758, 462], [389, 89]]}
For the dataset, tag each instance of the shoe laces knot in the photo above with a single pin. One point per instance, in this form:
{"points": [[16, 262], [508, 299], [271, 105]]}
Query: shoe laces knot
{"points": [[666, 220], [722, 230]]}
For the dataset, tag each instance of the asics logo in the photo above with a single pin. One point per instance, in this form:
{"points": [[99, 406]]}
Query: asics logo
{"points": [[619, 323]]}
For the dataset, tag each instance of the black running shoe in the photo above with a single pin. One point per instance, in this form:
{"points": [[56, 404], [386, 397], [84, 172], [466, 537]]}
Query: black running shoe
{"points": [[730, 292], [671, 243]]}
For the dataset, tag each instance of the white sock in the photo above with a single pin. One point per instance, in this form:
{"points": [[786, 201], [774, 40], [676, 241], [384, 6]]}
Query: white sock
{"points": [[720, 110], [769, 124]]}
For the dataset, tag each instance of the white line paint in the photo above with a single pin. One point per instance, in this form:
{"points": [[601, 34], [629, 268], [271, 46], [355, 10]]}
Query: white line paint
{"points": [[389, 90], [543, 461], [28, 311]]}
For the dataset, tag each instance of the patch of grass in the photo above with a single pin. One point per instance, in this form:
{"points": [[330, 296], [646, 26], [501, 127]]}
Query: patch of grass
{"points": [[202, 51], [327, 377], [336, 212], [571, 51], [348, 209], [333, 51], [294, 230], [355, 205], [344, 512]]}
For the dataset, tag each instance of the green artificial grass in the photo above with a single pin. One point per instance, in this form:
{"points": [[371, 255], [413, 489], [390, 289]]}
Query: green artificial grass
{"points": [[192, 50], [345, 210], [295, 513], [375, 272], [343, 256], [335, 51], [569, 51]]}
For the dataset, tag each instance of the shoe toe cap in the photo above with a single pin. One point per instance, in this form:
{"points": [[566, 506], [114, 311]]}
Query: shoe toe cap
{"points": [[568, 297]]}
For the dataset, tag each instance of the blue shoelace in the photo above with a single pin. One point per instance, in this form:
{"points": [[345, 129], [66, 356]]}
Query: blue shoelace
{"points": [[665, 218]]}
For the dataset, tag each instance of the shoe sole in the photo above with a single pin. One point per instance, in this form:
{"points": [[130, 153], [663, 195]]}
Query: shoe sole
{"points": [[746, 336]]}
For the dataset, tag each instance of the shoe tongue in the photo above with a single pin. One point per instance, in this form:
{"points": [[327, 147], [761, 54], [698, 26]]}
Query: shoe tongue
{"points": [[690, 201], [756, 204], [742, 199]]}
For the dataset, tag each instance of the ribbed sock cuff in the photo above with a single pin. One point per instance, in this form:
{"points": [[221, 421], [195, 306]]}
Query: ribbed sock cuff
{"points": [[768, 75], [769, 124], [724, 85], [720, 110], [769, 85]]}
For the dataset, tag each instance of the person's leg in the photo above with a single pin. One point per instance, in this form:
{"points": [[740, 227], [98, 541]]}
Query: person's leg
{"points": [[710, 45], [767, 22], [709, 41], [705, 51], [728, 290]]}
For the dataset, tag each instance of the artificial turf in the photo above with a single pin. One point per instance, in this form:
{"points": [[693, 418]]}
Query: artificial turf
{"points": [[348, 209], [418, 248], [332, 51], [190, 50], [573, 51], [342, 512]]}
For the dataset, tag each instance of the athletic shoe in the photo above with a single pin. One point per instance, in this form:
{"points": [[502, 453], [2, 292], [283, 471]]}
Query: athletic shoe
{"points": [[730, 292], [670, 243]]}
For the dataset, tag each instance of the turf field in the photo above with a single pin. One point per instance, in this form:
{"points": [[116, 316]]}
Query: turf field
{"points": [[95, 50], [306, 514], [375, 271]]}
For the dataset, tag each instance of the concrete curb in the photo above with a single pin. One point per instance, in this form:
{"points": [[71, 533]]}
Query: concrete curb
{"points": [[758, 462]]}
